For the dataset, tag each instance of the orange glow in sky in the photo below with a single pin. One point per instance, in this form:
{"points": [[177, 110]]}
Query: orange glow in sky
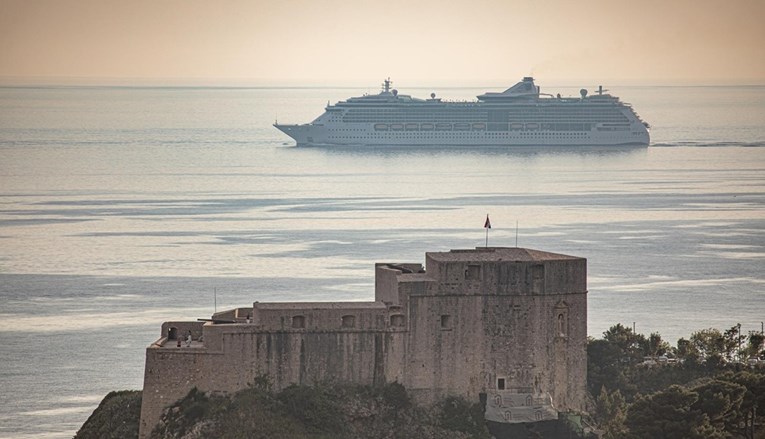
{"points": [[337, 42]]}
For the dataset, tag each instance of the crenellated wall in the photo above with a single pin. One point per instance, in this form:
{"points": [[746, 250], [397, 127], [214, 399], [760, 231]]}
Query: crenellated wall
{"points": [[474, 322]]}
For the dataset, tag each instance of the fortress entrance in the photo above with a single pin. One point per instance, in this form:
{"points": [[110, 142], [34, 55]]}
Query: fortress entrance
{"points": [[172, 333]]}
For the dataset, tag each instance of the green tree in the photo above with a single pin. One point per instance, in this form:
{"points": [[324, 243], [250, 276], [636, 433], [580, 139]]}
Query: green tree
{"points": [[687, 352], [669, 415], [753, 404], [605, 366], [732, 341], [754, 345], [721, 402], [655, 345], [710, 345], [610, 412], [632, 345]]}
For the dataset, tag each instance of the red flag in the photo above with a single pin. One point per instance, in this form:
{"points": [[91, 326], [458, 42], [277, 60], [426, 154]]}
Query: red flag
{"points": [[487, 224]]}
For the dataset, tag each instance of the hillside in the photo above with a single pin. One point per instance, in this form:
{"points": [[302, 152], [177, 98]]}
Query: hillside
{"points": [[299, 412]]}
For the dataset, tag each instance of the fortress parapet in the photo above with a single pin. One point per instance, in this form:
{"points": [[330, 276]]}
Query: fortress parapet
{"points": [[500, 324]]}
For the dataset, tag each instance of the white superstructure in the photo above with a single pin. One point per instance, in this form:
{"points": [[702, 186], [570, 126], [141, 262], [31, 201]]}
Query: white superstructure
{"points": [[518, 116]]}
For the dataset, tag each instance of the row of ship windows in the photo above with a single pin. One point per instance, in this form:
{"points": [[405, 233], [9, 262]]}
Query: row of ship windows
{"points": [[454, 136], [480, 113], [477, 119], [480, 126], [350, 121], [463, 133], [517, 107], [483, 115]]}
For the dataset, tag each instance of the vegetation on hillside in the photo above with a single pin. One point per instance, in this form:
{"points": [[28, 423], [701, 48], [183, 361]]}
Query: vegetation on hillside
{"points": [[116, 417], [319, 412], [711, 385]]}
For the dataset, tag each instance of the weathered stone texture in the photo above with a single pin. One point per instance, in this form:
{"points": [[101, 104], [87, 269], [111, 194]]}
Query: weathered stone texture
{"points": [[473, 322]]}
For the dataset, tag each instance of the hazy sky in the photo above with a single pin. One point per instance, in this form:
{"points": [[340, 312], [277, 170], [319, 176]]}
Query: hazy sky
{"points": [[426, 42]]}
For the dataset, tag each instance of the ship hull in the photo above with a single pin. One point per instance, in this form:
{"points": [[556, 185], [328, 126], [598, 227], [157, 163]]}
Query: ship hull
{"points": [[322, 135]]}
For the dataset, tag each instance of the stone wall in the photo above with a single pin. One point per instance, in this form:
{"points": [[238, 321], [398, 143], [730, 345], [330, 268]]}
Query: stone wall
{"points": [[235, 355], [320, 316], [476, 321]]}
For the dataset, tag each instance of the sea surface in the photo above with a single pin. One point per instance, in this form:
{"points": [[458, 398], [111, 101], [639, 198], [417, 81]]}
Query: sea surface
{"points": [[123, 207]]}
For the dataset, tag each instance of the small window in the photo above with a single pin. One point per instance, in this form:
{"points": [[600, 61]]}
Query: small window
{"points": [[446, 321], [298, 322], [349, 321], [397, 320], [473, 272], [500, 384]]}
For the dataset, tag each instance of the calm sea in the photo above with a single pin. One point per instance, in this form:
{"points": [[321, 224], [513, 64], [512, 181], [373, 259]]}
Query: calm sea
{"points": [[121, 208]]}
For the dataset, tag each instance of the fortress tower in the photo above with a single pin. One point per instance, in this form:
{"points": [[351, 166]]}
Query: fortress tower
{"points": [[508, 325]]}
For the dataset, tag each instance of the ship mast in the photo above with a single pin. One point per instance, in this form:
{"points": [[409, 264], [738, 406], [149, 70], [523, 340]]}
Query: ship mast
{"points": [[386, 85]]}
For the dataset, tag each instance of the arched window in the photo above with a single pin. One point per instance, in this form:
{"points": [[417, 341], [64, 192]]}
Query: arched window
{"points": [[561, 319]]}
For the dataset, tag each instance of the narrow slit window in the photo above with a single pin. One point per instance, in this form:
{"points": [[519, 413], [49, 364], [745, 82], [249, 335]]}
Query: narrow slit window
{"points": [[446, 321]]}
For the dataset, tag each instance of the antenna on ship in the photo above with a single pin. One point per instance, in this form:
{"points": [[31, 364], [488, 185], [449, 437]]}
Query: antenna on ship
{"points": [[386, 85]]}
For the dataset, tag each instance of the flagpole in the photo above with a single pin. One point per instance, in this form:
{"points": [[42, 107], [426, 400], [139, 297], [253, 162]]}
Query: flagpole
{"points": [[516, 233], [487, 226]]}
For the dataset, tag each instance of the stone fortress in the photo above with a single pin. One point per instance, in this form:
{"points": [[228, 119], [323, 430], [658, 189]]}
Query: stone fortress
{"points": [[507, 326]]}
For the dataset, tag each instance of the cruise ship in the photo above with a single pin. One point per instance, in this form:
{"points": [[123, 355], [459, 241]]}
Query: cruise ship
{"points": [[518, 116]]}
